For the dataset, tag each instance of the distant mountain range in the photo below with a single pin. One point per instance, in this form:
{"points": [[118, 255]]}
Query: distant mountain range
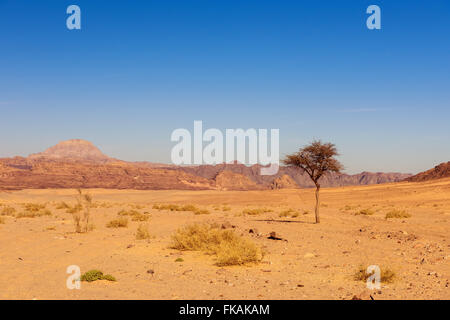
{"points": [[80, 164], [438, 172]]}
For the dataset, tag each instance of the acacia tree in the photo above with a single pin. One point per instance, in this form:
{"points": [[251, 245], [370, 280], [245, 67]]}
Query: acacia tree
{"points": [[315, 159]]}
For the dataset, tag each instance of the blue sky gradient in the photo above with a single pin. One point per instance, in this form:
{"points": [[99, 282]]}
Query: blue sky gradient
{"points": [[138, 70]]}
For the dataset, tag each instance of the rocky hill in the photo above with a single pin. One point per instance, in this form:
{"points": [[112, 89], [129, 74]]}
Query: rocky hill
{"points": [[438, 172], [72, 150], [300, 178], [80, 164]]}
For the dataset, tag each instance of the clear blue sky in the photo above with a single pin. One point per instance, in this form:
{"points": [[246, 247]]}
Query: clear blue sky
{"points": [[138, 70]]}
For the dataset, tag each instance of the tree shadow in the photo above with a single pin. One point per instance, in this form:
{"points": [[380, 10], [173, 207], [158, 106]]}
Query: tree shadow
{"points": [[284, 221]]}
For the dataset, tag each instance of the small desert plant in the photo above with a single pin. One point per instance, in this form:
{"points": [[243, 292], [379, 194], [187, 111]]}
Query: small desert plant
{"points": [[33, 214], [256, 211], [179, 260], [62, 205], [8, 211], [186, 207], [289, 213], [2, 220], [124, 212], [399, 214], [140, 217], [135, 215], [118, 223], [201, 211], [175, 207], [229, 248], [364, 212], [226, 208], [81, 212], [34, 207], [387, 275], [142, 232], [94, 275]]}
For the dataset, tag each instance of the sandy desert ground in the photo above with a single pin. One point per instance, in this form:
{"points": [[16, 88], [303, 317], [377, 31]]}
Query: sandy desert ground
{"points": [[318, 261]]}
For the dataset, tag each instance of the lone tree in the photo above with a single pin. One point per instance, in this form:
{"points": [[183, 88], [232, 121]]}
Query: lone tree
{"points": [[315, 159]]}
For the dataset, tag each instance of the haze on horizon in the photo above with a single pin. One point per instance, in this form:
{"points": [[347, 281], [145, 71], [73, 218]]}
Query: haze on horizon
{"points": [[133, 74]]}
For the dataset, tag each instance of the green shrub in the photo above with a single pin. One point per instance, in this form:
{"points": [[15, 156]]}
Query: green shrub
{"points": [[94, 275]]}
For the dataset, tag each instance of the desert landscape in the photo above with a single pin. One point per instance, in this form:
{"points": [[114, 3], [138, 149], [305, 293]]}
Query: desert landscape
{"points": [[361, 226], [224, 150], [153, 231]]}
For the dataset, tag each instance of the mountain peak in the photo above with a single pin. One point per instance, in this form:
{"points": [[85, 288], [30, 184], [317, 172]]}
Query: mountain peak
{"points": [[74, 149]]}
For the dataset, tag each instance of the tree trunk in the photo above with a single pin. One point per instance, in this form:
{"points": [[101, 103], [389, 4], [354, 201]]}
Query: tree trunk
{"points": [[317, 203]]}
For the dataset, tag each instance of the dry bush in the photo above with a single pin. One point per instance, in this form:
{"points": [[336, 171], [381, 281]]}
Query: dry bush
{"points": [[81, 212], [229, 248], [142, 232], [62, 206], [399, 214], [256, 211], [124, 212], [2, 220], [175, 207], [226, 208], [365, 212], [33, 207], [8, 211], [118, 223], [387, 275], [33, 214], [186, 207], [201, 211], [289, 213], [140, 217], [135, 215]]}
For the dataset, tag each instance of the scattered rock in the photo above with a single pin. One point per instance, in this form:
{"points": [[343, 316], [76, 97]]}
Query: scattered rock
{"points": [[309, 255], [273, 236], [130, 246], [226, 225], [364, 295]]}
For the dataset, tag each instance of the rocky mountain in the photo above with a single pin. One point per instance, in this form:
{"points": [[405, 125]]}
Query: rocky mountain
{"points": [[72, 150], [438, 172], [80, 164], [301, 179], [23, 173], [228, 180]]}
